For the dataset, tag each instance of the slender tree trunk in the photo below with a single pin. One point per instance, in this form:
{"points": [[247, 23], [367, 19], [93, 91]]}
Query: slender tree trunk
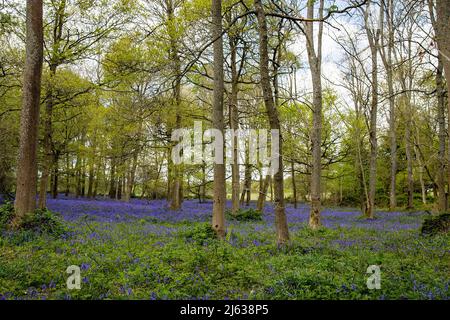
{"points": [[442, 137], [48, 157], [246, 190], [421, 168], [294, 185], [97, 177], [55, 175], [48, 130], [132, 176], [234, 124], [387, 61], [441, 26], [218, 220], [263, 194], [409, 160], [112, 178], [169, 175], [272, 112], [373, 37], [91, 181], [68, 174], [315, 62], [83, 178]]}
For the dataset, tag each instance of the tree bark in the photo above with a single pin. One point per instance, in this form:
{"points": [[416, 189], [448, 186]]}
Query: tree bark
{"points": [[442, 136], [294, 185], [387, 61], [263, 194], [55, 175], [177, 183], [373, 37], [112, 178], [234, 124], [315, 63], [218, 220], [25, 202], [442, 30], [48, 124], [272, 112]]}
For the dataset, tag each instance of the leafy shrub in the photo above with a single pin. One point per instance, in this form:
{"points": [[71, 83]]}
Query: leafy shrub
{"points": [[245, 215], [435, 225], [44, 221], [201, 233], [6, 214]]}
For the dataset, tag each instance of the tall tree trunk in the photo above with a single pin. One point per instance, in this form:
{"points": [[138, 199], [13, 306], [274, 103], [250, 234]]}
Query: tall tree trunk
{"points": [[409, 161], [48, 131], [48, 157], [218, 220], [177, 186], [234, 124], [388, 64], [442, 30], [272, 112], [315, 63], [442, 136], [25, 201], [373, 37]]}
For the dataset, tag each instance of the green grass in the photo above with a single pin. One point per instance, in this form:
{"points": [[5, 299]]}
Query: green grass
{"points": [[143, 260]]}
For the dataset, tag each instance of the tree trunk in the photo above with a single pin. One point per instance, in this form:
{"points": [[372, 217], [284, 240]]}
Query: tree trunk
{"points": [[315, 63], [234, 124], [25, 201], [218, 220], [442, 30], [112, 178], [272, 112], [47, 159], [91, 181], [55, 175], [246, 191], [294, 186], [409, 160], [387, 61], [177, 185], [442, 136], [48, 131], [263, 194], [373, 37], [131, 177]]}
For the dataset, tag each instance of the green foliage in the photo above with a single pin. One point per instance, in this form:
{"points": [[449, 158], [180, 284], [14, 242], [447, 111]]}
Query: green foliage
{"points": [[435, 225], [46, 222], [6, 215], [201, 233], [124, 262], [245, 215]]}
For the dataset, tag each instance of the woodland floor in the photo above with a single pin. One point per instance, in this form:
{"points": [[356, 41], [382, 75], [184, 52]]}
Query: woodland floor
{"points": [[142, 250]]}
